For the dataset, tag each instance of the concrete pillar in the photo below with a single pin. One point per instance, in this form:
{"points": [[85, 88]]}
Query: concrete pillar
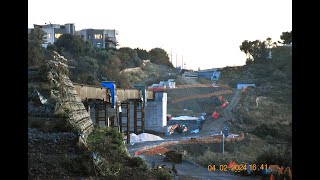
{"points": [[106, 115], [120, 121], [156, 112], [128, 123], [97, 113], [135, 106]]}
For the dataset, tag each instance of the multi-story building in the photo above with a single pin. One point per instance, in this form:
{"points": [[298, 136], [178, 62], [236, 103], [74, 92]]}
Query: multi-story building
{"points": [[54, 31], [100, 38]]}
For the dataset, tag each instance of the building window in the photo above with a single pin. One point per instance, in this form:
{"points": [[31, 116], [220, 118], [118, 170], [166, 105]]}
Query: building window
{"points": [[98, 45], [48, 35], [98, 36], [57, 35]]}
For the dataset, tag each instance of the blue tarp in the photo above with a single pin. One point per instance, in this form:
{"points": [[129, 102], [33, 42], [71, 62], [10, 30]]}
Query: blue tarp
{"points": [[241, 86], [110, 85], [216, 75]]}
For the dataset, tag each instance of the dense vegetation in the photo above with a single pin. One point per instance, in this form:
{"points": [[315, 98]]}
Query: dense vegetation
{"points": [[92, 65]]}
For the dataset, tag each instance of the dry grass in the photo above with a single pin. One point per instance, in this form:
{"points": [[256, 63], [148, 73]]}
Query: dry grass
{"points": [[246, 150]]}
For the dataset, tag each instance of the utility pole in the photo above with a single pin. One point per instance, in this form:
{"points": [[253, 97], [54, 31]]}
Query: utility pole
{"points": [[176, 60], [182, 62], [171, 56], [222, 145]]}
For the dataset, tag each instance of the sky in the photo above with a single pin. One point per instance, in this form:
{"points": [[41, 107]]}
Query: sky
{"points": [[202, 33]]}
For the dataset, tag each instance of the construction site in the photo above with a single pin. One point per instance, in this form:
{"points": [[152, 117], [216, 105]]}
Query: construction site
{"points": [[183, 127]]}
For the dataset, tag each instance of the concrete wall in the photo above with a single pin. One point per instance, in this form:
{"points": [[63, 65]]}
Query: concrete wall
{"points": [[156, 112]]}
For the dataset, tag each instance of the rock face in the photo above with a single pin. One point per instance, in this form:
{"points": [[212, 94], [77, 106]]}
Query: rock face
{"points": [[52, 94]]}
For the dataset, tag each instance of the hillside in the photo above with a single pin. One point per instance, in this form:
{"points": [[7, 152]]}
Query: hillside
{"points": [[192, 97], [271, 118], [273, 80], [149, 73], [267, 126]]}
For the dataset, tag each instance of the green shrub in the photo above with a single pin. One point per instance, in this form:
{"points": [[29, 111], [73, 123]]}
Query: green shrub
{"points": [[276, 155], [210, 157], [138, 162], [163, 175], [80, 165], [107, 141], [38, 123], [51, 125], [61, 125], [266, 129]]}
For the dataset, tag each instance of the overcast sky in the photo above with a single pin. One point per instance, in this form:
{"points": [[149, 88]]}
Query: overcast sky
{"points": [[204, 33]]}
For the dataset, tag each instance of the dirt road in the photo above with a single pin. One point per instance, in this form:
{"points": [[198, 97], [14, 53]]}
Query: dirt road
{"points": [[211, 125], [200, 96]]}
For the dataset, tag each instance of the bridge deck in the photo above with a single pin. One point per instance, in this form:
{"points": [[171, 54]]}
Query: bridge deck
{"points": [[94, 92]]}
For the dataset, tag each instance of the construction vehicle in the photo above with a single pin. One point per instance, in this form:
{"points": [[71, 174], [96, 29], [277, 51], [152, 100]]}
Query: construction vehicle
{"points": [[216, 115]]}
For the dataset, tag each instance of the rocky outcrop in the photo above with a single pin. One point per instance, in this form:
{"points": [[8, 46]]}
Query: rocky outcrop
{"points": [[53, 95]]}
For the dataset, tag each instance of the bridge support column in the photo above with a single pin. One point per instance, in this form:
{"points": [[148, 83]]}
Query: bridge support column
{"points": [[106, 114], [135, 106], [86, 104], [112, 121], [125, 106], [120, 121], [138, 116], [96, 105], [128, 123]]}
